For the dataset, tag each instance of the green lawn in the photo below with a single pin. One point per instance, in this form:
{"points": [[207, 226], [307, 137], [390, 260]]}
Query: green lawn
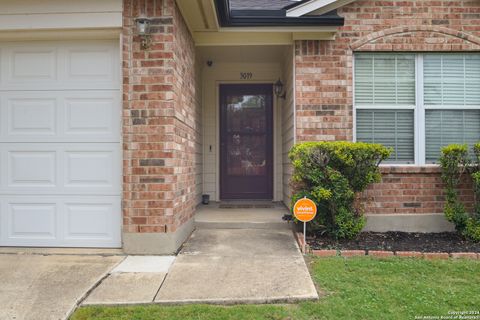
{"points": [[353, 288]]}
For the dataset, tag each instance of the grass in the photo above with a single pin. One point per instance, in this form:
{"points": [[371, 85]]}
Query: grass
{"points": [[353, 288]]}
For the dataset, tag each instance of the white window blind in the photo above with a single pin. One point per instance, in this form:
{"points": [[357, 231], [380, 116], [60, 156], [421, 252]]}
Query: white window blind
{"points": [[451, 100], [444, 127], [392, 128], [451, 80], [384, 79]]}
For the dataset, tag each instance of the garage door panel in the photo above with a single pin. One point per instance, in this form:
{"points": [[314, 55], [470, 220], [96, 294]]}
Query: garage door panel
{"points": [[60, 65], [3, 219], [89, 169], [63, 169], [60, 116], [31, 116], [91, 221], [63, 221], [32, 221], [3, 170], [95, 115], [32, 169], [92, 63], [31, 66]]}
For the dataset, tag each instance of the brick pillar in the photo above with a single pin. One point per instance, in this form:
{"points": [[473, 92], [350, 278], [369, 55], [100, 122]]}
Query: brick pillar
{"points": [[161, 129], [323, 91]]}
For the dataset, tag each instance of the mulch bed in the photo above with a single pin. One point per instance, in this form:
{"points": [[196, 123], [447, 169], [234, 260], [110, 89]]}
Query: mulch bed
{"points": [[398, 241]]}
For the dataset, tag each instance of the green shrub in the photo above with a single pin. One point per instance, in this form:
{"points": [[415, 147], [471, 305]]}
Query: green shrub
{"points": [[455, 162], [332, 174]]}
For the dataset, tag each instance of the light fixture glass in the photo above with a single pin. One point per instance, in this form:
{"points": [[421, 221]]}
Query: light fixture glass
{"points": [[143, 25], [143, 30], [278, 89]]}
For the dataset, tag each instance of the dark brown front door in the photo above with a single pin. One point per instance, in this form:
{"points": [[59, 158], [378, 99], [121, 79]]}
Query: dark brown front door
{"points": [[246, 141]]}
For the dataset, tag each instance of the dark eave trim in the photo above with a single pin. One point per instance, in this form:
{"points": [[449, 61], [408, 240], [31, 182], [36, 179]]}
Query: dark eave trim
{"points": [[256, 13], [270, 18], [293, 5]]}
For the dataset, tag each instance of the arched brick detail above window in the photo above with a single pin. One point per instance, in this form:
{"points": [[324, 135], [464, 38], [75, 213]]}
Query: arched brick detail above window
{"points": [[417, 38]]}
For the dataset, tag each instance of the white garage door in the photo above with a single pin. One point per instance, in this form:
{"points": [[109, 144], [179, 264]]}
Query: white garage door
{"points": [[60, 160]]}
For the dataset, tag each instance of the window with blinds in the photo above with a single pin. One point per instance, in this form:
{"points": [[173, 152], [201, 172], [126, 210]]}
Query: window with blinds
{"points": [[451, 96], [444, 127], [388, 110], [392, 128], [451, 80], [385, 79], [384, 96]]}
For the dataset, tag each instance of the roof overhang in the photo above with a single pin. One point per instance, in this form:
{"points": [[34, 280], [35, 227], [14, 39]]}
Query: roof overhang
{"points": [[315, 7], [212, 23], [268, 18], [200, 15]]}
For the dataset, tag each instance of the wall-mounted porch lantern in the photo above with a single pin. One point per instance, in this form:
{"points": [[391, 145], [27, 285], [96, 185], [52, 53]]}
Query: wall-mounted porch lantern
{"points": [[278, 89], [143, 30]]}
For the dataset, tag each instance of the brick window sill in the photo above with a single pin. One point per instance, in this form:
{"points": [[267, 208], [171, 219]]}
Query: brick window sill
{"points": [[385, 169]]}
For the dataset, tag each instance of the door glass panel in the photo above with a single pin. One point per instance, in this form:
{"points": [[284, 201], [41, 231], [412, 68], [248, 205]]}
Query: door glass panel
{"points": [[246, 135]]}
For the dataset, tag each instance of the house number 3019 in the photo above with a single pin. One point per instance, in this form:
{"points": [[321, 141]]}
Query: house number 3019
{"points": [[246, 75]]}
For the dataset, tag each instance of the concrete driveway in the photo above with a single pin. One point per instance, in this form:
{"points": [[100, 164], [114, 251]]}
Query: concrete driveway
{"points": [[48, 287]]}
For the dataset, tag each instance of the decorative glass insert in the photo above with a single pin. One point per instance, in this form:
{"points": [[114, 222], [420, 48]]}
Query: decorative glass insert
{"points": [[246, 135]]}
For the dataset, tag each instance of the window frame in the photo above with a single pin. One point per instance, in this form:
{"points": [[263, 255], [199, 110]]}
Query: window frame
{"points": [[419, 108]]}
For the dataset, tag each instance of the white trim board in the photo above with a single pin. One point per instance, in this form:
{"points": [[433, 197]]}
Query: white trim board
{"points": [[242, 37], [94, 20], [316, 7], [31, 15]]}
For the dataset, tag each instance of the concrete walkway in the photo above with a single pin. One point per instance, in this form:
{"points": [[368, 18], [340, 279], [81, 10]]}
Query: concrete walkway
{"points": [[48, 287], [135, 281], [229, 266], [229, 259]]}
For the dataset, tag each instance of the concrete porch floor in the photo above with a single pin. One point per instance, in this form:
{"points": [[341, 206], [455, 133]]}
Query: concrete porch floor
{"points": [[241, 215]]}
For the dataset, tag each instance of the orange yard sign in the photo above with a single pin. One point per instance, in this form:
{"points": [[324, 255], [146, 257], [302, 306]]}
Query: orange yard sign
{"points": [[305, 210]]}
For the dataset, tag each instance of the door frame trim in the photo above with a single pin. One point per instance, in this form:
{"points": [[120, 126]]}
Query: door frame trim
{"points": [[274, 132]]}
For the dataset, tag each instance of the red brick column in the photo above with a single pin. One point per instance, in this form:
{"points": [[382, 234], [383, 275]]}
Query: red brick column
{"points": [[161, 130]]}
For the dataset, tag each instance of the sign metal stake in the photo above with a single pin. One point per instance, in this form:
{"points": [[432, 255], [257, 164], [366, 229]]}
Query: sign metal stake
{"points": [[304, 236]]}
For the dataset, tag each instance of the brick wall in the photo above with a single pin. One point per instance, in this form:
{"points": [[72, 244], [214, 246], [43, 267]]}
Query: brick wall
{"points": [[324, 92], [161, 113], [412, 190], [188, 117]]}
